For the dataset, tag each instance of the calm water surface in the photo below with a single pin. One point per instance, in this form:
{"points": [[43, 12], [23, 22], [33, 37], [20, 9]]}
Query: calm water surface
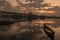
{"points": [[52, 23]]}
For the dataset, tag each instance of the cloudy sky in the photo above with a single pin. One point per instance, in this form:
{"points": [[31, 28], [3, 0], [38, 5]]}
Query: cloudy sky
{"points": [[53, 2]]}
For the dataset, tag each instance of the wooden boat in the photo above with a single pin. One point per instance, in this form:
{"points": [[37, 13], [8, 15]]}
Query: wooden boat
{"points": [[49, 32]]}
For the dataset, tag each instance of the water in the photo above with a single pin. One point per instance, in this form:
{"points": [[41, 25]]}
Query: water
{"points": [[56, 27], [52, 23]]}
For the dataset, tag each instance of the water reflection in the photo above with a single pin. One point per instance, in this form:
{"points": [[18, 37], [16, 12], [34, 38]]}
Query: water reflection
{"points": [[14, 28]]}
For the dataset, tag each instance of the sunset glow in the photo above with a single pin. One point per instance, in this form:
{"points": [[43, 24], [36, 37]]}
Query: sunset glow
{"points": [[48, 12], [42, 21], [53, 2]]}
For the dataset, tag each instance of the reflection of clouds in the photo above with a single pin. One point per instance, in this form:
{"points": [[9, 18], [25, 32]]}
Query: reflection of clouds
{"points": [[10, 32], [13, 29], [44, 21], [49, 21], [23, 30], [57, 33], [22, 23]]}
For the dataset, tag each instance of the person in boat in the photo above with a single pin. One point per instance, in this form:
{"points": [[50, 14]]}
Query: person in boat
{"points": [[50, 33]]}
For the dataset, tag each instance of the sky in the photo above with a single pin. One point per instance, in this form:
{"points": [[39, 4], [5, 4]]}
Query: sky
{"points": [[53, 2]]}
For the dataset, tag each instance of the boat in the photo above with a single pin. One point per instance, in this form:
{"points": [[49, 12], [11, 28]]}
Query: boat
{"points": [[49, 32]]}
